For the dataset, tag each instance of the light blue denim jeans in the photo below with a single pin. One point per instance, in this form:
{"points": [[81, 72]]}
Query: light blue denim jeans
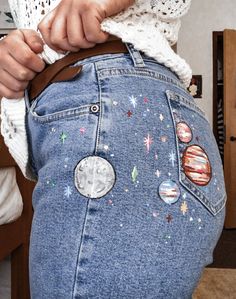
{"points": [[130, 198]]}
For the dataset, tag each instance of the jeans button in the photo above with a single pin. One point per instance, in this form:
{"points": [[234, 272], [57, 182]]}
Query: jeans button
{"points": [[94, 108]]}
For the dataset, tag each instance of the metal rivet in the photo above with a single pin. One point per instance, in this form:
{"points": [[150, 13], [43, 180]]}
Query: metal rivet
{"points": [[94, 108]]}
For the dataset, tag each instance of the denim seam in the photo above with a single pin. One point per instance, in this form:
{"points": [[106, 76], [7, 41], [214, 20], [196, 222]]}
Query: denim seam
{"points": [[187, 103], [100, 112], [186, 183], [140, 72], [80, 251], [70, 113]]}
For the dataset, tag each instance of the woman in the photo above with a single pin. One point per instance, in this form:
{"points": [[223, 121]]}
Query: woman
{"points": [[130, 196]]}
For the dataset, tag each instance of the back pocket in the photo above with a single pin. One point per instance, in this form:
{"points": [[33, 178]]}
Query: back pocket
{"points": [[200, 166]]}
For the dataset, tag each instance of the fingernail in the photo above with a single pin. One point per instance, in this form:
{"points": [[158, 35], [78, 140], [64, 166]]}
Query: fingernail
{"points": [[38, 44]]}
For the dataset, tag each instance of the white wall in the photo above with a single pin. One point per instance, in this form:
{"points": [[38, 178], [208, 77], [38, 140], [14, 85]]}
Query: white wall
{"points": [[195, 40]]}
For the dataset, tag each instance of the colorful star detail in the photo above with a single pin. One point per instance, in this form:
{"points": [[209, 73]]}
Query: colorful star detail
{"points": [[158, 173], [172, 158], [133, 101], [52, 183], [156, 156], [161, 117], [164, 138], [167, 238], [63, 137], [134, 174], [184, 196], [145, 100], [53, 130], [110, 202], [184, 207], [148, 141], [115, 103], [129, 113], [155, 214], [169, 218], [82, 130], [67, 191], [106, 147]]}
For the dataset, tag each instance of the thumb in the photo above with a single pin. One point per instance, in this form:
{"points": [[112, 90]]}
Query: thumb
{"points": [[33, 40]]}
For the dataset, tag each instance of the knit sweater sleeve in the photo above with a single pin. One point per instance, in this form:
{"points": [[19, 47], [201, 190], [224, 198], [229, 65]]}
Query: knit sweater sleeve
{"points": [[159, 15]]}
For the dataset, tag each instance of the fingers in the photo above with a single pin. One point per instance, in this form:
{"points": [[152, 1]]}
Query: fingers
{"points": [[76, 32], [22, 53], [18, 61], [54, 30], [17, 70], [10, 94], [33, 40], [11, 83], [73, 25], [92, 27]]}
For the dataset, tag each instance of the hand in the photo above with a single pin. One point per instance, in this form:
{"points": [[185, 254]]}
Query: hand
{"points": [[75, 24], [19, 61]]}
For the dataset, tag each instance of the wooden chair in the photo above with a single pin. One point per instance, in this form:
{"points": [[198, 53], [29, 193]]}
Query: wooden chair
{"points": [[14, 237]]}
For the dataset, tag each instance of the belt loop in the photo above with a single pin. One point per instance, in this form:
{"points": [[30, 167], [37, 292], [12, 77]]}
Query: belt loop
{"points": [[135, 55]]}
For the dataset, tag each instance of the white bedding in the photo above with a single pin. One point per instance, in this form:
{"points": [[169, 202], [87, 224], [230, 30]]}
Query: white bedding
{"points": [[11, 204]]}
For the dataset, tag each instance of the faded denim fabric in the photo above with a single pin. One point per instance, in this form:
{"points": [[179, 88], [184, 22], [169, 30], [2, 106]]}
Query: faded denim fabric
{"points": [[162, 208]]}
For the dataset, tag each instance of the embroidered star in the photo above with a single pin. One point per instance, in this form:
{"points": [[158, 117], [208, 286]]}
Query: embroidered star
{"points": [[110, 202], [129, 113], [133, 101], [161, 117], [63, 137], [67, 191], [184, 208], [82, 130], [148, 141], [169, 218], [53, 130], [155, 214], [172, 158], [164, 138], [134, 174], [145, 100], [158, 173]]}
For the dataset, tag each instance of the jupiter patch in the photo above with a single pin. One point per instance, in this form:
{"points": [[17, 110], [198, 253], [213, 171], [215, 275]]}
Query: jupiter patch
{"points": [[196, 165]]}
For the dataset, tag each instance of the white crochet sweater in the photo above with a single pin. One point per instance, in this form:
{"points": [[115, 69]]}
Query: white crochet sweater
{"points": [[150, 25]]}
